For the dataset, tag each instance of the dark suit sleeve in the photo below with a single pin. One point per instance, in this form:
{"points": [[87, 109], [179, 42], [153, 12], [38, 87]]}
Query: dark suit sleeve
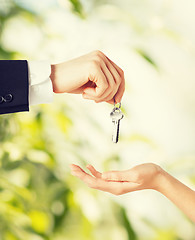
{"points": [[14, 86]]}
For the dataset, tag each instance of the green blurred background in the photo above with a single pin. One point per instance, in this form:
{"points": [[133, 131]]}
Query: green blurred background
{"points": [[153, 41]]}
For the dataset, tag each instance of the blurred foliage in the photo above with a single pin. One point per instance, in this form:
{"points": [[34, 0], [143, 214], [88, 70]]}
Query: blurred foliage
{"points": [[9, 9], [147, 57], [127, 224], [36, 201], [35, 198], [77, 7]]}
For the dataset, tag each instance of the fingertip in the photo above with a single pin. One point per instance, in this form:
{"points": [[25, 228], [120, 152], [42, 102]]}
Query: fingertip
{"points": [[110, 102], [76, 169], [118, 99], [73, 166]]}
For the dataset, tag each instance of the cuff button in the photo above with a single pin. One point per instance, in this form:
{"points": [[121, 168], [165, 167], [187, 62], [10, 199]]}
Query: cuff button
{"points": [[8, 98], [1, 99]]}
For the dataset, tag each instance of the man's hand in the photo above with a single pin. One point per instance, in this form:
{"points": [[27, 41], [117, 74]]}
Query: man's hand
{"points": [[93, 75], [144, 176]]}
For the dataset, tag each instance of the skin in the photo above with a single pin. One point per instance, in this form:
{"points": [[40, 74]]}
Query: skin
{"points": [[93, 75], [144, 176]]}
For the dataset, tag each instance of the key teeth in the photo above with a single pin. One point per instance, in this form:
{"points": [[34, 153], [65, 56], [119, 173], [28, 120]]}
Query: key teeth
{"points": [[117, 135], [116, 116]]}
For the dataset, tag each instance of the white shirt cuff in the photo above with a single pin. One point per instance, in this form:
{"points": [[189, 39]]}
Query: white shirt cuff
{"points": [[40, 85]]}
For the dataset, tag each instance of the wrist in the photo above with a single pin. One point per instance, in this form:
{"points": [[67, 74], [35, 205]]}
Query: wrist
{"points": [[159, 179]]}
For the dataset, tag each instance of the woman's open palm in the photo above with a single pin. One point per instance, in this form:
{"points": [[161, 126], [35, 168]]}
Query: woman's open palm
{"points": [[140, 177]]}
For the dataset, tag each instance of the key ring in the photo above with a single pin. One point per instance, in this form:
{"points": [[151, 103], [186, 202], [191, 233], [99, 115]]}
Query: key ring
{"points": [[115, 107]]}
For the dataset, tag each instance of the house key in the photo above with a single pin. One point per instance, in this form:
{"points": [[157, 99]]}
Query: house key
{"points": [[116, 116]]}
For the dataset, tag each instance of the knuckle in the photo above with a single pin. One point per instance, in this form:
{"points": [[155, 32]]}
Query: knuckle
{"points": [[98, 58], [121, 72], [95, 63], [98, 53]]}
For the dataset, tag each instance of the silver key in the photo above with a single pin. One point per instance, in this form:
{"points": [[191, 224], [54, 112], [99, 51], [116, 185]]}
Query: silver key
{"points": [[116, 116]]}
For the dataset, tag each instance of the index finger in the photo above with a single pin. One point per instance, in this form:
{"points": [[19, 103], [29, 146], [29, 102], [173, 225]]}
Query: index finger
{"points": [[94, 172], [118, 96]]}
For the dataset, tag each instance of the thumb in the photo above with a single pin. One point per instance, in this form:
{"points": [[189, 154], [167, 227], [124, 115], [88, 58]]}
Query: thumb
{"points": [[119, 176]]}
